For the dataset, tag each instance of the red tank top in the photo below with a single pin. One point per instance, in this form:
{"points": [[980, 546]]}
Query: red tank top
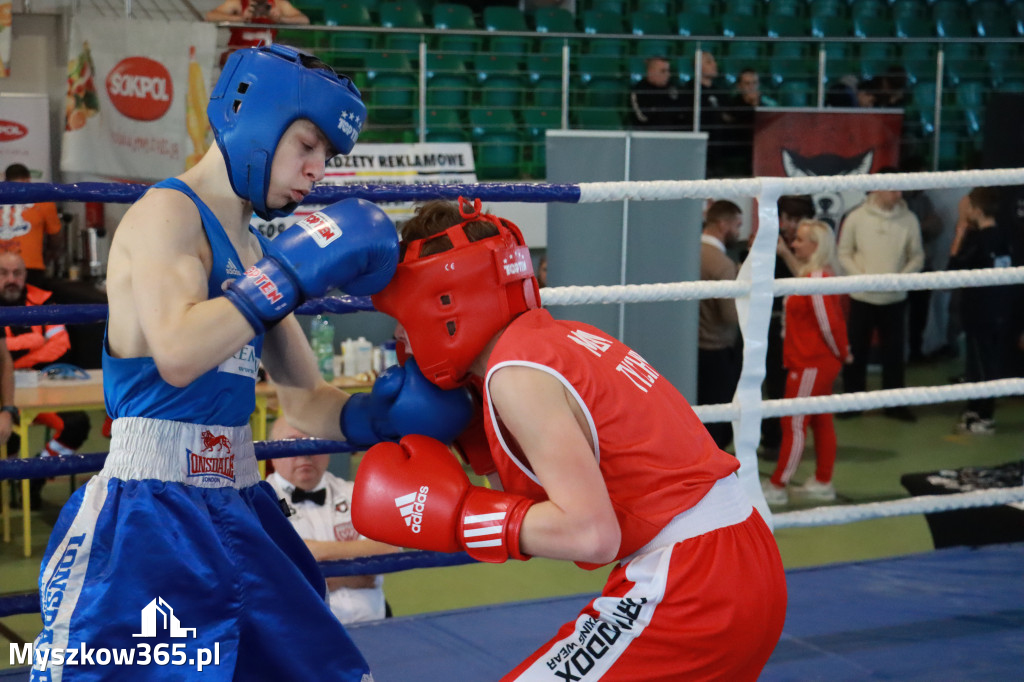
{"points": [[656, 457]]}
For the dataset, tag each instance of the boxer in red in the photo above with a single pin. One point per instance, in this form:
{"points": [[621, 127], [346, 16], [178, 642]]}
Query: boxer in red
{"points": [[593, 457]]}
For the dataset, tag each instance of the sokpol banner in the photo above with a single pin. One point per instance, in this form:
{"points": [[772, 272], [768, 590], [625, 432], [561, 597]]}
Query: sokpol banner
{"points": [[25, 133], [135, 106]]}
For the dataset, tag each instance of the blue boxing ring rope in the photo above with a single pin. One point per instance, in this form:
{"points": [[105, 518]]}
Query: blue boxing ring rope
{"points": [[759, 287]]}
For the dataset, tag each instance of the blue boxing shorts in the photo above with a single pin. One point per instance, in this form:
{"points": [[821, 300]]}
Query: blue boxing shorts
{"points": [[176, 562]]}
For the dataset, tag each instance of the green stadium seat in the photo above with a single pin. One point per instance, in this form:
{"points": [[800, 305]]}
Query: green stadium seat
{"points": [[924, 109], [952, 19], [402, 14], [742, 25], [786, 8], [750, 8], [603, 81], [444, 125], [970, 99], [682, 68], [797, 93], [792, 61], [840, 60], [828, 8], [393, 87], [499, 80], [596, 23], [875, 9], [647, 24], [873, 27], [698, 7], [876, 58], [830, 27], [346, 48], [599, 119], [507, 19], [913, 27], [784, 26], [1016, 8], [1004, 62], [544, 74], [697, 24], [740, 56], [310, 41], [449, 83], [919, 61], [314, 9], [910, 8], [963, 62], [497, 144], [992, 19], [455, 17], [664, 7], [537, 122], [554, 20], [620, 7]]}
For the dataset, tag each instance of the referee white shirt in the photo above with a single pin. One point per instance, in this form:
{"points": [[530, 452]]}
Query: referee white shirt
{"points": [[332, 521]]}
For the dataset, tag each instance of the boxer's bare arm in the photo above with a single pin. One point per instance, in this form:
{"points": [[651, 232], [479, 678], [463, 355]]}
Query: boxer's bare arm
{"points": [[309, 403], [157, 287], [577, 522]]}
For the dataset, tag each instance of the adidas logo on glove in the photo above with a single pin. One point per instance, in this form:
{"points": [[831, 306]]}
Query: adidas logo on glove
{"points": [[411, 507]]}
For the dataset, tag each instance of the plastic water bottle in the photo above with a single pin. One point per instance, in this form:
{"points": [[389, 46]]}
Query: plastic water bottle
{"points": [[321, 338]]}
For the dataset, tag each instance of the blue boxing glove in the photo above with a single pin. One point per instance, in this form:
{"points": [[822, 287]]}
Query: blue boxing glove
{"points": [[404, 402], [351, 245]]}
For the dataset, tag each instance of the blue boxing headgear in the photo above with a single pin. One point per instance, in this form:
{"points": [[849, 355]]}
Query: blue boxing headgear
{"points": [[263, 90]]}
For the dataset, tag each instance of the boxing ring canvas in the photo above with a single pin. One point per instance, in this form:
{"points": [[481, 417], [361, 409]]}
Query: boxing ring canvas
{"points": [[952, 614]]}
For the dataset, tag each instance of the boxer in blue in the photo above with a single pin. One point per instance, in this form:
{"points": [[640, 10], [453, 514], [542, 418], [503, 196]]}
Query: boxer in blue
{"points": [[176, 554]]}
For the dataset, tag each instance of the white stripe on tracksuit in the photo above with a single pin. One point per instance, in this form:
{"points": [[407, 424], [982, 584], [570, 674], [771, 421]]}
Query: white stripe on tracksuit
{"points": [[64, 577], [596, 644], [808, 375]]}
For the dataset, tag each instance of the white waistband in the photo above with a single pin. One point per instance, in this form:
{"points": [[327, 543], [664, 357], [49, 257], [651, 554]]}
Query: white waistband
{"points": [[724, 505], [193, 454]]}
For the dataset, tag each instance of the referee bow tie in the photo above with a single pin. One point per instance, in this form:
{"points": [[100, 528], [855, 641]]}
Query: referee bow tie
{"points": [[317, 497]]}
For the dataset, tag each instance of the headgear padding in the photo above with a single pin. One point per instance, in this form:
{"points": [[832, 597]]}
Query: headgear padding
{"points": [[262, 91], [452, 303]]}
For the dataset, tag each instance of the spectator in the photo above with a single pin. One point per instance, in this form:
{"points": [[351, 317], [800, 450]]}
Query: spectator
{"points": [[842, 93], [868, 93], [35, 347], [655, 102], [738, 115], [919, 301], [30, 230], [712, 98], [792, 209], [718, 355], [542, 271], [815, 347], [881, 236], [254, 12], [321, 513], [984, 311]]}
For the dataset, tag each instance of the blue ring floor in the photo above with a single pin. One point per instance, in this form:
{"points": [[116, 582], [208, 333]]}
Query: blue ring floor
{"points": [[951, 614]]}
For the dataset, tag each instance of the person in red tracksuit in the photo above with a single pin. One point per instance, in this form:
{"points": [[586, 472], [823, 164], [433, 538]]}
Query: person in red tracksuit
{"points": [[814, 349]]}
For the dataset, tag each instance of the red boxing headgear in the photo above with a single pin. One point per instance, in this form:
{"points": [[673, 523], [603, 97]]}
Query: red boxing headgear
{"points": [[452, 303]]}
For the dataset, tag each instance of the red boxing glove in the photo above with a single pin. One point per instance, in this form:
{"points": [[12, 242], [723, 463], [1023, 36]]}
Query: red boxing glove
{"points": [[415, 494]]}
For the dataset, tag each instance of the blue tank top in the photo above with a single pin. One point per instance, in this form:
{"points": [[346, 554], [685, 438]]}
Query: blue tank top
{"points": [[225, 395]]}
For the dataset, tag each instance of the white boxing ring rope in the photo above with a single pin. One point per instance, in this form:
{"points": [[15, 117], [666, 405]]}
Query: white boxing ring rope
{"points": [[754, 290], [756, 287]]}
